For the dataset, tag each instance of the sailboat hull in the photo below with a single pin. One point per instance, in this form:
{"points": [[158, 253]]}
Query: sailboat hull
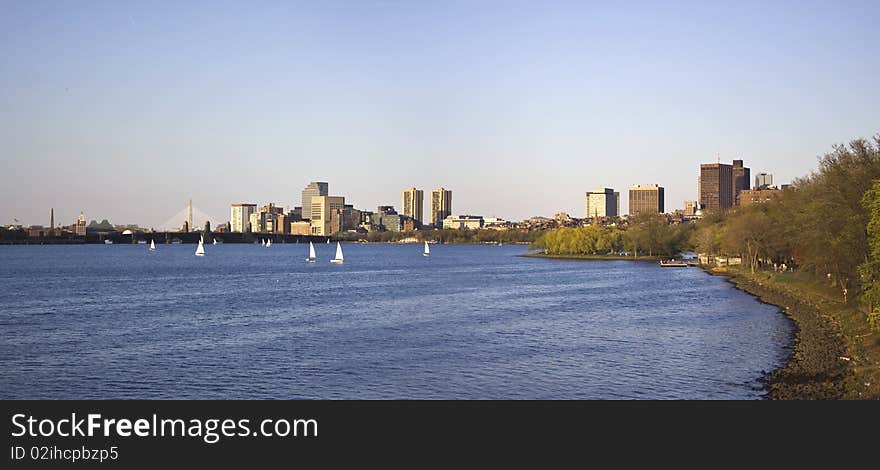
{"points": [[336, 261]]}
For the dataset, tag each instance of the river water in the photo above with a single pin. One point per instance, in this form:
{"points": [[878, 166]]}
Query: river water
{"points": [[468, 322]]}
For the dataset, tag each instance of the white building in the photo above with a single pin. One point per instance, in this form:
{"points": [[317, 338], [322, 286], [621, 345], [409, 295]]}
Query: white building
{"points": [[240, 217]]}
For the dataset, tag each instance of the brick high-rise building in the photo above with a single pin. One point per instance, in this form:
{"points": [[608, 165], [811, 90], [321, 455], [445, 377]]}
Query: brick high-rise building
{"points": [[742, 179], [716, 186], [646, 199]]}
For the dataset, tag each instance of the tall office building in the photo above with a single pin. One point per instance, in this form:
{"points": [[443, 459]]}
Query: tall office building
{"points": [[413, 203], [315, 188], [240, 217], [81, 225], [646, 199], [763, 181], [441, 206], [742, 179], [716, 186], [326, 214], [602, 202], [720, 184]]}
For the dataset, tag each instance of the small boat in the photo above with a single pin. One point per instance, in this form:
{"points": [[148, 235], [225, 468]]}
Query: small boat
{"points": [[427, 251], [200, 251], [338, 259], [312, 257], [152, 246], [328, 241], [108, 242], [215, 242], [268, 243]]}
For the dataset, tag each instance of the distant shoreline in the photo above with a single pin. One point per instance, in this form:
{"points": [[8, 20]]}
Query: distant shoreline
{"points": [[593, 257]]}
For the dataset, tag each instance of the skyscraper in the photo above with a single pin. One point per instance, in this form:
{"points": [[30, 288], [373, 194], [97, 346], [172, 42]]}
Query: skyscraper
{"points": [[602, 202], [441, 206], [413, 204], [240, 217], [646, 199], [720, 184], [315, 188], [326, 214], [716, 186], [742, 179]]}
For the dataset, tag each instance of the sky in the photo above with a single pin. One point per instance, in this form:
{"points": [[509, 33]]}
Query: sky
{"points": [[125, 110]]}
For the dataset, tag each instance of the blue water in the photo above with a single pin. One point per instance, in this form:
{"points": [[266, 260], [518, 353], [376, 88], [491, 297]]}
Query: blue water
{"points": [[470, 322]]}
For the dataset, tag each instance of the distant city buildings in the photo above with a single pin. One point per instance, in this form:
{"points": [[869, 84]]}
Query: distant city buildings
{"points": [[326, 214], [313, 189], [602, 202], [300, 227], [387, 219], [758, 196], [413, 204], [742, 180], [720, 184], [441, 206], [691, 208], [463, 222], [81, 225], [646, 199], [240, 217], [763, 181]]}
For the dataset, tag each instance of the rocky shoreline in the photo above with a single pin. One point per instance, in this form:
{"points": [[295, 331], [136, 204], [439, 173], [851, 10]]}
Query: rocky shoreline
{"points": [[818, 367]]}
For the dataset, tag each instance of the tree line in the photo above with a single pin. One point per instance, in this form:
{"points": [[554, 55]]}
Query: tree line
{"points": [[645, 234]]}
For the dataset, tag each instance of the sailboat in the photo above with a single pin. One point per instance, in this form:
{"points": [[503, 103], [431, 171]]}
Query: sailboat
{"points": [[312, 257], [427, 251], [268, 243], [200, 251], [328, 240], [152, 246], [338, 259], [215, 241]]}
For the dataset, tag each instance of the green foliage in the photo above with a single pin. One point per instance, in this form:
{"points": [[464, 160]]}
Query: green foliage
{"points": [[650, 235], [869, 271], [827, 224]]}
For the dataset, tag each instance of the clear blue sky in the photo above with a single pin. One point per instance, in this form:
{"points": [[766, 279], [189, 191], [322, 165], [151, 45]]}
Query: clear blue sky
{"points": [[126, 110]]}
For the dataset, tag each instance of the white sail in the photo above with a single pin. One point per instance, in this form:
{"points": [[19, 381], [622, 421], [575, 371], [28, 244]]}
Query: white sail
{"points": [[339, 258], [427, 250], [152, 246], [215, 241], [312, 255], [268, 243], [200, 251]]}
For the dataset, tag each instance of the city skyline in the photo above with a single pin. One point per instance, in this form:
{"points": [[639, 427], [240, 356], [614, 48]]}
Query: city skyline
{"points": [[125, 110]]}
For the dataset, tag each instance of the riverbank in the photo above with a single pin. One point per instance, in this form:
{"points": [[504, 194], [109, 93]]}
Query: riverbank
{"points": [[593, 257], [835, 354]]}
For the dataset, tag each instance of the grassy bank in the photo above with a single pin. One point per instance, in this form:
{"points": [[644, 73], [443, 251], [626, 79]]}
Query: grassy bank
{"points": [[594, 257], [835, 353]]}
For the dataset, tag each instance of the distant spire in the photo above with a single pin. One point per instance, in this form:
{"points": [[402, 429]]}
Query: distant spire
{"points": [[189, 216]]}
